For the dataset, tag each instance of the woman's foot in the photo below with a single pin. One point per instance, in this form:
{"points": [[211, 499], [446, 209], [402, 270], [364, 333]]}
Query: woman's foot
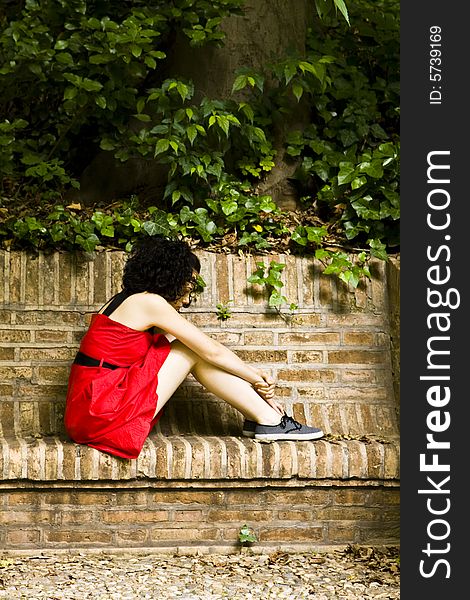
{"points": [[287, 429], [249, 428]]}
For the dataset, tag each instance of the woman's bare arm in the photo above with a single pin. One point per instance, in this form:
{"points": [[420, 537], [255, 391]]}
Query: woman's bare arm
{"points": [[162, 315]]}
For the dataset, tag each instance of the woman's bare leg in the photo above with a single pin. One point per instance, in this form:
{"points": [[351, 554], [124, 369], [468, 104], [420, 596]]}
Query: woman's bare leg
{"points": [[236, 391]]}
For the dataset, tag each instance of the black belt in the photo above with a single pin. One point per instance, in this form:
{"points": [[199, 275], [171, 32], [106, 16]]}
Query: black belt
{"points": [[89, 361]]}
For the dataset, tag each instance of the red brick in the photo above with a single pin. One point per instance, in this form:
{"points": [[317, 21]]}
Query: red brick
{"points": [[46, 392], [79, 498], [307, 356], [132, 498], [57, 375], [5, 316], [134, 516], [14, 277], [226, 338], [48, 335], [188, 515], [131, 536], [359, 338], [27, 517], [383, 533], [15, 372], [310, 497], [294, 515], [52, 318], [77, 517], [14, 336], [32, 280], [342, 533], [263, 356], [47, 354], [318, 393], [239, 516], [100, 278], [7, 354], [258, 338], [358, 375], [48, 276], [355, 319], [347, 357], [184, 535], [24, 498], [66, 260], [79, 536], [188, 497], [5, 392], [384, 496], [21, 537], [317, 338], [307, 319], [221, 268], [291, 534]]}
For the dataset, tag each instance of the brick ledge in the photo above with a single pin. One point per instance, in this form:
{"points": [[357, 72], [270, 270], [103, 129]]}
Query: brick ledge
{"points": [[201, 458]]}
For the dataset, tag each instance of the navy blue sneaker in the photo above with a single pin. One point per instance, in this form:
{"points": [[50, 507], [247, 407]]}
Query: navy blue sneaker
{"points": [[287, 429], [249, 428]]}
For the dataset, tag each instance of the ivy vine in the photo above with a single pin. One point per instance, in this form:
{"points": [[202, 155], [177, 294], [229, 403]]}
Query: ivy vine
{"points": [[71, 71]]}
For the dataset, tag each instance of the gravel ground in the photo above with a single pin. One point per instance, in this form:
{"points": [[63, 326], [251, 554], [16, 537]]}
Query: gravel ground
{"points": [[356, 572]]}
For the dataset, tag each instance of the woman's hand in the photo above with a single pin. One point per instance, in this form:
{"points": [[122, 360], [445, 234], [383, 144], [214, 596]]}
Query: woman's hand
{"points": [[265, 387]]}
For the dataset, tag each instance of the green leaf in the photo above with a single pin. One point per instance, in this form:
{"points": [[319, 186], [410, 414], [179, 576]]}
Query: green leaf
{"points": [[162, 146], [247, 535], [342, 7], [107, 144], [316, 234], [289, 71], [64, 58], [191, 132], [378, 249], [299, 235], [91, 86], [358, 182], [223, 123], [150, 62], [297, 90], [373, 169], [240, 82], [136, 50], [142, 117], [70, 92], [100, 59], [346, 172], [101, 101]]}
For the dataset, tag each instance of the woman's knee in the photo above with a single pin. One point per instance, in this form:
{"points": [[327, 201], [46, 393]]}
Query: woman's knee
{"points": [[177, 348]]}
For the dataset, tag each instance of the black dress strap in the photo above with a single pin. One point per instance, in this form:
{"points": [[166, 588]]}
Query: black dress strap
{"points": [[116, 300]]}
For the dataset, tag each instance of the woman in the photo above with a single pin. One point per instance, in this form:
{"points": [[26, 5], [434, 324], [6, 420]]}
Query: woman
{"points": [[139, 349]]}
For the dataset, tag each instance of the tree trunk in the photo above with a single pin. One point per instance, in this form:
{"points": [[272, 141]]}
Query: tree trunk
{"points": [[266, 33]]}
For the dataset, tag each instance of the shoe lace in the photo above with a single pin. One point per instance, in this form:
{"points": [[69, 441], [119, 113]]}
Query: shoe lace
{"points": [[289, 420]]}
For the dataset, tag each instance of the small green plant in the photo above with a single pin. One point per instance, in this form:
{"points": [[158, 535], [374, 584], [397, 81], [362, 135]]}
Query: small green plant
{"points": [[223, 310], [246, 535], [199, 287], [270, 277]]}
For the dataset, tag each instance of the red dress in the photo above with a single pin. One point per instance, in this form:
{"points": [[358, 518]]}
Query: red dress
{"points": [[112, 409]]}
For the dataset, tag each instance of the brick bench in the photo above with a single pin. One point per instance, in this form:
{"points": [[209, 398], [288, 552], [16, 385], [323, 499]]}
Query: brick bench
{"points": [[197, 481], [202, 458], [188, 491]]}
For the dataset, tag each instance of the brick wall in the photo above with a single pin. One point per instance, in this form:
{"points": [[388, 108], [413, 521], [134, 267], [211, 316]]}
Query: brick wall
{"points": [[178, 517], [333, 364], [197, 481]]}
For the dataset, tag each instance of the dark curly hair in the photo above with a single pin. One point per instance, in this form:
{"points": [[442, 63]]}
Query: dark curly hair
{"points": [[160, 266]]}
